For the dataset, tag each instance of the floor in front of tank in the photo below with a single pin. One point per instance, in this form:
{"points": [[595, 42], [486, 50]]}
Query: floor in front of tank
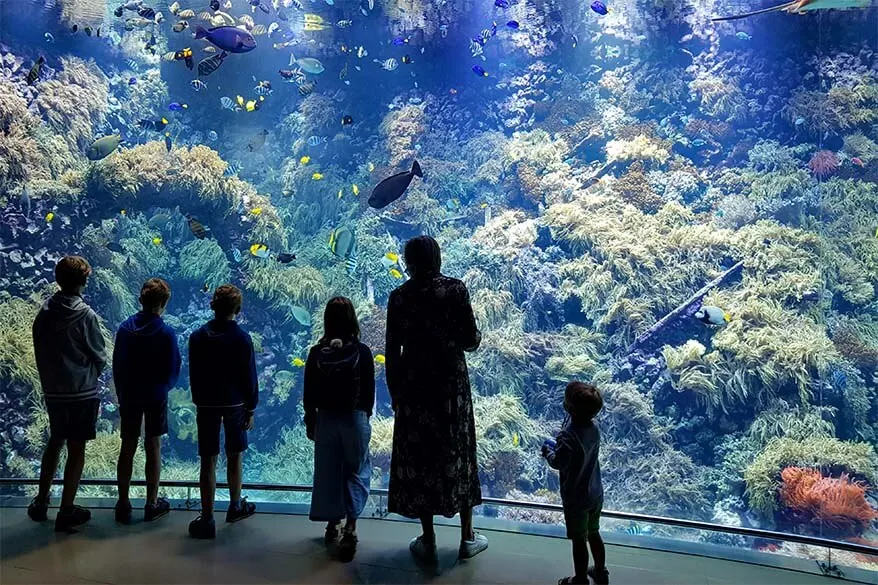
{"points": [[273, 548]]}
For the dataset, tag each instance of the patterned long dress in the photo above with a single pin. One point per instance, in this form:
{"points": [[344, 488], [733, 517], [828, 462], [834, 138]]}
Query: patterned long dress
{"points": [[433, 470]]}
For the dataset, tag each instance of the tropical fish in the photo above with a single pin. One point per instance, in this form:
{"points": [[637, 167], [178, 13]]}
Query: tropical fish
{"points": [[306, 88], [180, 26], [227, 38], [256, 211], [212, 135], [249, 105], [196, 227], [742, 36], [50, 38], [210, 64], [355, 190], [390, 259], [858, 161], [263, 88], [362, 52], [236, 255], [347, 120], [342, 242], [34, 72], [315, 140], [308, 64], [272, 28], [712, 315], [501, 3], [177, 106], [399, 41], [380, 359], [301, 315], [392, 188], [175, 7], [49, 217], [344, 71], [298, 362], [406, 60], [259, 30], [370, 166], [305, 159], [480, 71], [169, 144], [395, 273], [513, 24], [115, 247], [285, 258], [227, 103], [154, 125], [317, 176], [103, 147], [186, 56], [258, 141], [516, 439], [340, 193], [157, 241], [197, 84], [388, 64], [800, 7], [146, 12], [259, 251], [599, 7], [638, 530], [344, 23]]}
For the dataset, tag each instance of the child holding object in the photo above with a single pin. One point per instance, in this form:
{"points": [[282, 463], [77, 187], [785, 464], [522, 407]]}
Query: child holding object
{"points": [[575, 455]]}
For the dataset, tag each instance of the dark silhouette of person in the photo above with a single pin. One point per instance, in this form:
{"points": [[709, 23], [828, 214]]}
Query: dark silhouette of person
{"points": [[433, 470]]}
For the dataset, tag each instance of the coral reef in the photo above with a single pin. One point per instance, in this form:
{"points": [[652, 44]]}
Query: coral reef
{"points": [[205, 263], [835, 504], [75, 102]]}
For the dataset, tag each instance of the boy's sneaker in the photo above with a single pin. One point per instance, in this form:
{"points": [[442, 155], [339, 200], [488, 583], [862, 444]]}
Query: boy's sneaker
{"points": [[599, 576], [155, 511], [69, 518], [37, 510], [123, 512], [203, 528], [424, 551], [240, 510], [470, 548]]}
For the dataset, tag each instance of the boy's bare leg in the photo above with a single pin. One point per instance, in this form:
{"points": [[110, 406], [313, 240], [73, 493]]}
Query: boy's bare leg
{"points": [[208, 485], [72, 472], [235, 473], [466, 524], [48, 467], [153, 471], [125, 467]]}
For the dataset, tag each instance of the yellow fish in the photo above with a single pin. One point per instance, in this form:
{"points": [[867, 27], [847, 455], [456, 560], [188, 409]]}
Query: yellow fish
{"points": [[49, 217], [355, 189], [317, 176], [298, 362], [483, 205], [515, 440], [256, 211], [340, 193], [259, 250], [392, 257], [305, 159], [156, 241], [380, 359], [371, 167], [395, 273], [123, 212]]}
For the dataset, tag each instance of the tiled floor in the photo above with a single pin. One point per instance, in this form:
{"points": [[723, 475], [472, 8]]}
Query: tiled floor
{"points": [[289, 549]]}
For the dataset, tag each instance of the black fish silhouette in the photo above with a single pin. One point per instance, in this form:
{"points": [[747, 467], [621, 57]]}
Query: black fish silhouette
{"points": [[392, 188], [34, 72]]}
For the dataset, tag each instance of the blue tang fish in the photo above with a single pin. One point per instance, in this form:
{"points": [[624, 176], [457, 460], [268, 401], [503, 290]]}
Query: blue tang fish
{"points": [[480, 71], [228, 38], [600, 7]]}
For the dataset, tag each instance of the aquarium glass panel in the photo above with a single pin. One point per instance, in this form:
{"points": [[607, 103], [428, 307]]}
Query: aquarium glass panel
{"points": [[676, 201]]}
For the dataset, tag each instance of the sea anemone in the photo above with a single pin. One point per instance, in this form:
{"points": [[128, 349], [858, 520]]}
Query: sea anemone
{"points": [[823, 164], [837, 503]]}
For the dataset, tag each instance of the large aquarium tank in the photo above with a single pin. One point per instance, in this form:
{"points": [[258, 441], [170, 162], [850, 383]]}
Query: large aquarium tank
{"points": [[680, 209]]}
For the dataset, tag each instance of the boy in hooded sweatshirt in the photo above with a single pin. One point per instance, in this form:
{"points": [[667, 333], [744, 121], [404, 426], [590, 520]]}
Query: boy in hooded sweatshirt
{"points": [[70, 354], [146, 365], [222, 376]]}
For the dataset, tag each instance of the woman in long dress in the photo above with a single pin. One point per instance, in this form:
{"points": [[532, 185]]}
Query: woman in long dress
{"points": [[433, 470]]}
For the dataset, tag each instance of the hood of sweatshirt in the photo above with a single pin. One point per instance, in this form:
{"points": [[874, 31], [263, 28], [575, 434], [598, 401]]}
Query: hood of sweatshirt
{"points": [[336, 356], [218, 328], [144, 324], [68, 310]]}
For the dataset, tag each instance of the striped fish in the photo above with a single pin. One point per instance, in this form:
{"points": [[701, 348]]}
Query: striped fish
{"points": [[227, 103], [306, 88], [351, 262]]}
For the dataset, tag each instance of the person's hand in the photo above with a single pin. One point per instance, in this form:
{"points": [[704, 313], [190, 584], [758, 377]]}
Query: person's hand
{"points": [[248, 426]]}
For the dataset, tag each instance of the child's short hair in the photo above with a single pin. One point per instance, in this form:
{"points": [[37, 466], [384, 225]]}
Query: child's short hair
{"points": [[154, 293], [227, 301], [584, 401], [72, 272]]}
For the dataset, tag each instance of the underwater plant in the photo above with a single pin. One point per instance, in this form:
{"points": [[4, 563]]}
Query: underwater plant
{"points": [[205, 263]]}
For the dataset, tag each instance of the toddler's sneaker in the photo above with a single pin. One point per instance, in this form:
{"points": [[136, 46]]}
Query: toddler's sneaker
{"points": [[240, 510], [155, 511], [37, 510], [202, 528], [470, 548], [69, 518]]}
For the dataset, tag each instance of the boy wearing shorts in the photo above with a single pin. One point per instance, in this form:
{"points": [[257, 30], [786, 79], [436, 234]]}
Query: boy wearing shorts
{"points": [[575, 455], [222, 376], [70, 354], [146, 365]]}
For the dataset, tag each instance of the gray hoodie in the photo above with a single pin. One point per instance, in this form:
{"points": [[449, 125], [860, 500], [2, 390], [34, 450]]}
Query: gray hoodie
{"points": [[69, 348]]}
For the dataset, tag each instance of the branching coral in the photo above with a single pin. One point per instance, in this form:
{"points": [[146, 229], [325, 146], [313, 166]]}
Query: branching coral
{"points": [[835, 503], [205, 263], [832, 456]]}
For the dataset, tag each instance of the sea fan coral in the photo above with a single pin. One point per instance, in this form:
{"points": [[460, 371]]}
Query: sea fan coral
{"points": [[836, 503], [823, 164]]}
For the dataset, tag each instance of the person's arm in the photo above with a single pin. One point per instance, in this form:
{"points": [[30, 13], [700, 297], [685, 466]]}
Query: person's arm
{"points": [[94, 340], [197, 379], [312, 386], [176, 360], [251, 388], [120, 369], [367, 378], [559, 457], [393, 348], [468, 335]]}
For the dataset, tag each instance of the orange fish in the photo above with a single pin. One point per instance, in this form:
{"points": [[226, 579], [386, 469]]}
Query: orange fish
{"points": [[858, 161]]}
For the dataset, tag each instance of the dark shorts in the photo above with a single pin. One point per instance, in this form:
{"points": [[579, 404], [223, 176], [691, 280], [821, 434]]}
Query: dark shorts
{"points": [[209, 421], [73, 421], [154, 417], [581, 523]]}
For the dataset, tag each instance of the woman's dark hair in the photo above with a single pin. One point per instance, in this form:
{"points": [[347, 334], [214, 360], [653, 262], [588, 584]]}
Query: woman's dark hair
{"points": [[422, 257], [340, 320]]}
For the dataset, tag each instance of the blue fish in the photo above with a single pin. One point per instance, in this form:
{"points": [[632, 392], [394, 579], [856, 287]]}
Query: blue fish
{"points": [[132, 81], [600, 7], [228, 38], [399, 41], [480, 71], [513, 24], [501, 3], [177, 106]]}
